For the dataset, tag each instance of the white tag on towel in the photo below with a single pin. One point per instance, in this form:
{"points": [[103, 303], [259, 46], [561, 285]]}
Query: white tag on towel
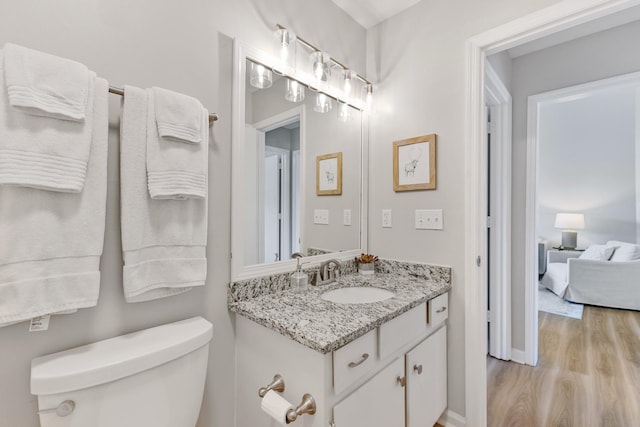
{"points": [[40, 323]]}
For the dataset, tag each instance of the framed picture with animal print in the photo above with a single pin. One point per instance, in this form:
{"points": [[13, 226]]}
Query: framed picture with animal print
{"points": [[414, 163], [329, 174]]}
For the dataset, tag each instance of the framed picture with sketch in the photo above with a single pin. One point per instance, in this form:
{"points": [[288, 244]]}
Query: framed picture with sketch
{"points": [[329, 174], [414, 163]]}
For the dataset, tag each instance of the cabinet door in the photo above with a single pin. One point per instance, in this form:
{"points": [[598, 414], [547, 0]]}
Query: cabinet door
{"points": [[378, 403], [426, 367]]}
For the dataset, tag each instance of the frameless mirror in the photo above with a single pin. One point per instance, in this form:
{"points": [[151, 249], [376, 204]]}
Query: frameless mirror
{"points": [[297, 173]]}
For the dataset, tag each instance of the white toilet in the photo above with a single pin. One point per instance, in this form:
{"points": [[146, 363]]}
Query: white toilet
{"points": [[150, 378]]}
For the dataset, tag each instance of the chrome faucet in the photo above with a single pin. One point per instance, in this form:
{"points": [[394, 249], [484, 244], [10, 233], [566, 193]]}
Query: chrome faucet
{"points": [[329, 272]]}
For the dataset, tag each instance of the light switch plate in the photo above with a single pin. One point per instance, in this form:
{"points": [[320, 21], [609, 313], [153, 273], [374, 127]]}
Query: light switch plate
{"points": [[386, 218], [321, 216], [429, 219], [346, 217]]}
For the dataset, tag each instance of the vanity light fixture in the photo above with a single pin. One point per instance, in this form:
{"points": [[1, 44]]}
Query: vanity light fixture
{"points": [[323, 104], [295, 91], [286, 50], [355, 91], [260, 76]]}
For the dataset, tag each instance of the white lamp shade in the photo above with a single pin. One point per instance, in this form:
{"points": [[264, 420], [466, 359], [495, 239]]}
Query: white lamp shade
{"points": [[569, 221]]}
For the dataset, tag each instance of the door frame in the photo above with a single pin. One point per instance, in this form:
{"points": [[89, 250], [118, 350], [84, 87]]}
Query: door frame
{"points": [[498, 99], [560, 16]]}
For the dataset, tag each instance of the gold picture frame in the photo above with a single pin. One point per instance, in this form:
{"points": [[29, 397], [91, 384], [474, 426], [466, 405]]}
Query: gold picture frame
{"points": [[414, 163], [329, 174]]}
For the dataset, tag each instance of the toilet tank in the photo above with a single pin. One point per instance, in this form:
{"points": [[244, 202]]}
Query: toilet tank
{"points": [[150, 378]]}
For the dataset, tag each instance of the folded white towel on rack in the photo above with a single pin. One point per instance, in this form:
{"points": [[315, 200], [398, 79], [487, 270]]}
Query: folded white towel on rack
{"points": [[178, 116], [51, 242], [43, 152], [176, 170], [163, 241], [46, 85]]}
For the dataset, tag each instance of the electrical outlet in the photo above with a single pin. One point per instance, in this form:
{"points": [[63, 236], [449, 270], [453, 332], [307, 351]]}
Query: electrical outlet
{"points": [[346, 217], [386, 218], [429, 219], [321, 216]]}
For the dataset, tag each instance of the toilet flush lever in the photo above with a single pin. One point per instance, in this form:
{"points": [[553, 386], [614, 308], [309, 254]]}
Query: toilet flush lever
{"points": [[62, 410]]}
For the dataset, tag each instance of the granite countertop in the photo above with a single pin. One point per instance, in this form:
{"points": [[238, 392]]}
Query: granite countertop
{"points": [[325, 326]]}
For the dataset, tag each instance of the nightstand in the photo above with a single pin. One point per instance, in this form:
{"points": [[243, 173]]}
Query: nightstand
{"points": [[556, 255]]}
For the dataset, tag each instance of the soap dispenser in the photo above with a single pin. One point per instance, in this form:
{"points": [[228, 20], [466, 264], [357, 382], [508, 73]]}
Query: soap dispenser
{"points": [[299, 279]]}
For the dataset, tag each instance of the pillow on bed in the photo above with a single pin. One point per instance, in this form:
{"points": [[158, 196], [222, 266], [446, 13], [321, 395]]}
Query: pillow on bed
{"points": [[625, 251], [598, 252]]}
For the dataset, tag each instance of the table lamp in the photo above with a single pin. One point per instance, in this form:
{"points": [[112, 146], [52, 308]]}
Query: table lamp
{"points": [[569, 222]]}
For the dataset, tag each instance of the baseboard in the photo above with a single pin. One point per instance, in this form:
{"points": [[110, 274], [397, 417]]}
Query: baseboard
{"points": [[518, 356], [452, 419]]}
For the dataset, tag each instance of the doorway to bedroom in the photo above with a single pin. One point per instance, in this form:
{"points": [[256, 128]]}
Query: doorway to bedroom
{"points": [[586, 195]]}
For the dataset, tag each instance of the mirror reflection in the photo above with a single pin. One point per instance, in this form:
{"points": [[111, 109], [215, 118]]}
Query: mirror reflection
{"points": [[298, 197]]}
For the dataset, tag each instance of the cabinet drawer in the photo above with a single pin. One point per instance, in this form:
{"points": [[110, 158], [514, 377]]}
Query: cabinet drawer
{"points": [[438, 310], [353, 360], [399, 331]]}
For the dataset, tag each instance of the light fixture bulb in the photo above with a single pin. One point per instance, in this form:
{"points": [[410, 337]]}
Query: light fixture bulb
{"points": [[348, 82], [260, 76], [323, 104], [369, 96], [344, 112], [286, 50], [321, 67], [295, 91]]}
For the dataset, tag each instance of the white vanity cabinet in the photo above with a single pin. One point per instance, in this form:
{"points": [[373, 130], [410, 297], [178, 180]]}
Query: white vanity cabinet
{"points": [[415, 386], [392, 376]]}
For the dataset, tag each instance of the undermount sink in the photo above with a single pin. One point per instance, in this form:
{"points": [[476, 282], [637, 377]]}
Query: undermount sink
{"points": [[357, 295]]}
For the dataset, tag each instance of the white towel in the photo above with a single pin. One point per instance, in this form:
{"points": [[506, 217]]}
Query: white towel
{"points": [[46, 85], [43, 152], [163, 241], [52, 242], [178, 116], [175, 170]]}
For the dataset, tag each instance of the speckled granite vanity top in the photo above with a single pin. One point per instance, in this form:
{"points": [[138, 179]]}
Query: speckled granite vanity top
{"points": [[325, 326]]}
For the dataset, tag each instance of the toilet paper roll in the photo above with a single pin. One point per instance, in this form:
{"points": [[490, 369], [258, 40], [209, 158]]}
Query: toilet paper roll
{"points": [[276, 406]]}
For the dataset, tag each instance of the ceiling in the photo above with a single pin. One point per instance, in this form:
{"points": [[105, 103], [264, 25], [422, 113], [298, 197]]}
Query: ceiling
{"points": [[371, 12]]}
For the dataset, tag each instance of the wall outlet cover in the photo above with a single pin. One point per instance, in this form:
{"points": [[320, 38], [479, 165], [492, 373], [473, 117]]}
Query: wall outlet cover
{"points": [[346, 217], [386, 218]]}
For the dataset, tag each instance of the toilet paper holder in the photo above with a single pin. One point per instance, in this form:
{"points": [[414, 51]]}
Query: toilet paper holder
{"points": [[307, 406], [277, 384]]}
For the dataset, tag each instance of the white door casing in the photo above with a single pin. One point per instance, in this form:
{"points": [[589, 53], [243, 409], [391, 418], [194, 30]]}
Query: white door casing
{"points": [[560, 16]]}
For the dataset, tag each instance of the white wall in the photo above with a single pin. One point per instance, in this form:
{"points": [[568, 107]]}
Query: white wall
{"points": [[184, 46], [590, 58], [586, 164], [501, 63], [417, 58]]}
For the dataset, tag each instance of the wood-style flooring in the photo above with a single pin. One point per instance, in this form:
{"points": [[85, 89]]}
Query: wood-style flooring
{"points": [[588, 374]]}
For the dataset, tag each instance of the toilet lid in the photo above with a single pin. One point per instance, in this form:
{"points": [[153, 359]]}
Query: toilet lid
{"points": [[118, 357]]}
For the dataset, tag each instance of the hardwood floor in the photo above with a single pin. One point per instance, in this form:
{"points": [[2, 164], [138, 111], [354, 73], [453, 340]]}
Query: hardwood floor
{"points": [[588, 374]]}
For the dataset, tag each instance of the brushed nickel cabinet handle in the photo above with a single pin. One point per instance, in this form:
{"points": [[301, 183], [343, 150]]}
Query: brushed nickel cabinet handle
{"points": [[441, 309], [365, 356], [418, 369], [401, 380]]}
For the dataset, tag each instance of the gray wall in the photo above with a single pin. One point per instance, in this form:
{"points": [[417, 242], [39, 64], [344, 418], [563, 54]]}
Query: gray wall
{"points": [[185, 46], [590, 58], [587, 164], [417, 58]]}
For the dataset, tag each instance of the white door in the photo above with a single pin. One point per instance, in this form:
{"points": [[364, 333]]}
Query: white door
{"points": [[426, 367], [271, 207], [378, 403]]}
